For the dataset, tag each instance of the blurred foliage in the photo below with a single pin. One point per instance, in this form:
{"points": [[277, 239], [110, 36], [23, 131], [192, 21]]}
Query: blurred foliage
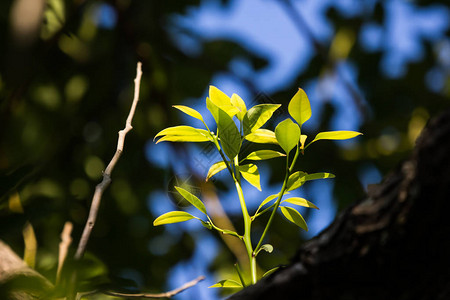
{"points": [[66, 84]]}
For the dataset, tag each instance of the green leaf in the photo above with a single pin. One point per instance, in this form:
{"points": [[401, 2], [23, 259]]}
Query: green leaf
{"points": [[322, 175], [336, 135], [262, 136], [207, 225], [294, 216], [296, 180], [300, 201], [229, 135], [287, 134], [222, 101], [251, 174], [263, 154], [189, 111], [218, 97], [192, 199], [237, 101], [299, 107], [267, 247], [227, 283], [173, 217], [267, 200], [215, 168], [257, 116], [183, 134], [270, 271]]}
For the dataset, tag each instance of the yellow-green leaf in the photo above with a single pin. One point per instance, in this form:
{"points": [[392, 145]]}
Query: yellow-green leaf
{"points": [[270, 271], [264, 154], [267, 200], [251, 174], [336, 135], [257, 116], [296, 180], [173, 217], [237, 101], [262, 136], [299, 107], [215, 168], [227, 283], [183, 134], [189, 111], [197, 203], [322, 175], [300, 201], [302, 141], [287, 134], [267, 247], [221, 100], [294, 216]]}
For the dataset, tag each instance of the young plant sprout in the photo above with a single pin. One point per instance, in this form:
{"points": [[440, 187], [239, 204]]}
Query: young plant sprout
{"points": [[228, 140]]}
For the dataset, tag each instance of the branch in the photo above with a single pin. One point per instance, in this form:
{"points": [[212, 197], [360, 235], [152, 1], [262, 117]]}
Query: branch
{"points": [[101, 187], [168, 294]]}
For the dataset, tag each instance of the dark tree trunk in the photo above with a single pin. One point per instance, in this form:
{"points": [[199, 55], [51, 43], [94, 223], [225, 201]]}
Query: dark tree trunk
{"points": [[393, 245]]}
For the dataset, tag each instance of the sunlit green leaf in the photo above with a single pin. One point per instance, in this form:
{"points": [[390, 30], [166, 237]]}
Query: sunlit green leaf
{"points": [[189, 111], [263, 154], [287, 134], [237, 101], [296, 180], [267, 247], [336, 135], [300, 201], [262, 136], [270, 271], [303, 138], [267, 200], [251, 174], [322, 175], [229, 135], [294, 216], [197, 203], [257, 116], [222, 101], [215, 168], [183, 134], [173, 217], [227, 283], [299, 107]]}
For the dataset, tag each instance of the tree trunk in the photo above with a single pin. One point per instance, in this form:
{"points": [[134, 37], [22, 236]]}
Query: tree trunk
{"points": [[393, 245]]}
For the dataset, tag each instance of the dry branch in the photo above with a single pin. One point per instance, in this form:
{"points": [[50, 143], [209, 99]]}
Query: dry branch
{"points": [[101, 187]]}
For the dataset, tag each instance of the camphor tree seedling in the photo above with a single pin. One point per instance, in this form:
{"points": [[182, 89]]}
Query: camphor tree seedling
{"points": [[228, 140]]}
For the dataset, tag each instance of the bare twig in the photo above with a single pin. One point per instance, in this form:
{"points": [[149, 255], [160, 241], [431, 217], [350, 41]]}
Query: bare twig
{"points": [[101, 187], [66, 240], [168, 294]]}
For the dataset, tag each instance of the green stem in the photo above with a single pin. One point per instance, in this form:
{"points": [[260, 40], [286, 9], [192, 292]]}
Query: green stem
{"points": [[280, 196], [247, 223]]}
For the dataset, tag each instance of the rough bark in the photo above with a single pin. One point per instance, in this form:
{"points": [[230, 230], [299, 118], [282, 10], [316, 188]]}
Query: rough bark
{"points": [[395, 244], [17, 280]]}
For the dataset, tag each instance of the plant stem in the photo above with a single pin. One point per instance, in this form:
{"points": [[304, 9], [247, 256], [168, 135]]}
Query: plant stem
{"points": [[280, 196], [247, 223]]}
